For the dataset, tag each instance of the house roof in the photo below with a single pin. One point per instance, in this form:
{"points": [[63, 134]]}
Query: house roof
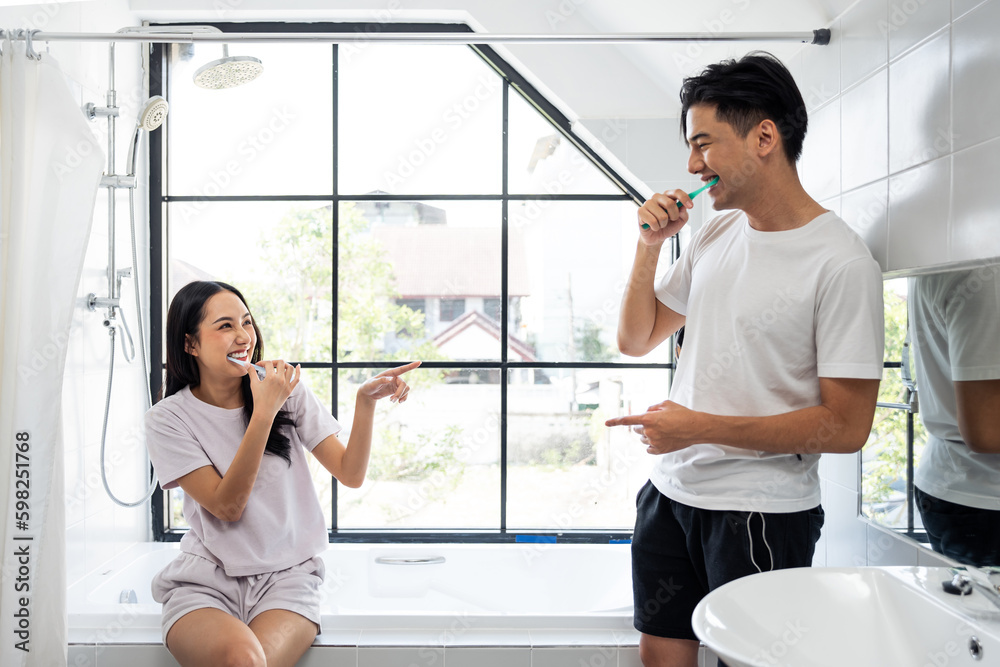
{"points": [[440, 261], [477, 319]]}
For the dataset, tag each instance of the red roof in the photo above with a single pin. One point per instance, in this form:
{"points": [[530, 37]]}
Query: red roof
{"points": [[477, 319]]}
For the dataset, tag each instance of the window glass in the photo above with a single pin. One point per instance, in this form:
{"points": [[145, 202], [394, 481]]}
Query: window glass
{"points": [[568, 264], [566, 470], [270, 136], [446, 253], [278, 254], [543, 161], [414, 118], [435, 459]]}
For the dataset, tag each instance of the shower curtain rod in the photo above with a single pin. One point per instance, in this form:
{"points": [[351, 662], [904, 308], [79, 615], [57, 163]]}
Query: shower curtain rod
{"points": [[820, 37]]}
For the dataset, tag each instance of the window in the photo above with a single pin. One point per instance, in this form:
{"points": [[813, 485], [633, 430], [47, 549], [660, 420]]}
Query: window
{"points": [[451, 309], [898, 435], [443, 215]]}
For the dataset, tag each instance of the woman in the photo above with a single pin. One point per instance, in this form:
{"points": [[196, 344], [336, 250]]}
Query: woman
{"points": [[245, 588]]}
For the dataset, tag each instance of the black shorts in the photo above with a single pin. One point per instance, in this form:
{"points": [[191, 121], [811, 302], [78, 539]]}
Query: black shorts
{"points": [[969, 535], [681, 553]]}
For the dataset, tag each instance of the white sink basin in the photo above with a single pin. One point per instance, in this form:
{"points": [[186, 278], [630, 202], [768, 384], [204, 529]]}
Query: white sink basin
{"points": [[848, 617]]}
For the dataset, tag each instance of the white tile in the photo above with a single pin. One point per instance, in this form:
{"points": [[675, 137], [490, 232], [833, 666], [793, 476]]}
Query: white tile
{"points": [[918, 215], [818, 72], [865, 133], [865, 41], [129, 656], [487, 657], [549, 637], [334, 636], [629, 657], [707, 657], [846, 536], [928, 558], [329, 656], [976, 200], [596, 656], [819, 167], [866, 210], [960, 7], [840, 468], [403, 637], [976, 85], [910, 22], [886, 548], [919, 108], [81, 656], [474, 637], [399, 657]]}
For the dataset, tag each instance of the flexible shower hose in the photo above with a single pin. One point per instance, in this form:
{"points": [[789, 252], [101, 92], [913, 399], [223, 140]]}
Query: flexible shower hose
{"points": [[111, 367]]}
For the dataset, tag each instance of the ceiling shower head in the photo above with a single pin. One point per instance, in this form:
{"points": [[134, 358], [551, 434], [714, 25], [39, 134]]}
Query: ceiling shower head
{"points": [[228, 71], [153, 114]]}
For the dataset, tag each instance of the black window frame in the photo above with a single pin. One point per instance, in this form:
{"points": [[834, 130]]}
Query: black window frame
{"points": [[512, 82]]}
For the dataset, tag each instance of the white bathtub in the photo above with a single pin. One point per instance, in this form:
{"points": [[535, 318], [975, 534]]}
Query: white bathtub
{"points": [[514, 595]]}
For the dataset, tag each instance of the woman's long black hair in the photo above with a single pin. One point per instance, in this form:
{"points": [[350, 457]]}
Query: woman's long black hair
{"points": [[185, 314]]}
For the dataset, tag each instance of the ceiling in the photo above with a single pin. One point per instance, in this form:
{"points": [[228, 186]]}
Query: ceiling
{"points": [[586, 81]]}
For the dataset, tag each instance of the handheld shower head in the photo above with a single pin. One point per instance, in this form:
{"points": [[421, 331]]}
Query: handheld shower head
{"points": [[228, 71], [150, 118], [153, 114]]}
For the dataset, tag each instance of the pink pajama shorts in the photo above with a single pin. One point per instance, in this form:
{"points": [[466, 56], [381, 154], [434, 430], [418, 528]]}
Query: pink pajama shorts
{"points": [[191, 582]]}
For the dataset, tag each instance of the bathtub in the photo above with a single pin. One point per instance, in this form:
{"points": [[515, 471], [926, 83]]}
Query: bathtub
{"points": [[433, 598]]}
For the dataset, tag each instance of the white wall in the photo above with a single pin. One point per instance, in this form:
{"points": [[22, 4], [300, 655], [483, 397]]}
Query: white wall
{"points": [[96, 529], [903, 142]]}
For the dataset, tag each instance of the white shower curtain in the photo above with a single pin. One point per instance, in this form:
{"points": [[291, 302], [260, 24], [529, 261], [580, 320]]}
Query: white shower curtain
{"points": [[50, 167]]}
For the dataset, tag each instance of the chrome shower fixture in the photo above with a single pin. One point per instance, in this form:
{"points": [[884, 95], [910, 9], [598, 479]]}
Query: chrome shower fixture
{"points": [[153, 114], [228, 71], [151, 117]]}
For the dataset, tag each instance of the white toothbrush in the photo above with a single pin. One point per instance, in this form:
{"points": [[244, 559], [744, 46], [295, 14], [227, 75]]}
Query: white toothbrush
{"points": [[261, 373]]}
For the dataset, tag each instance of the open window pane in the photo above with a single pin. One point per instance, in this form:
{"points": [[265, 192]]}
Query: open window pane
{"points": [[270, 136], [418, 119], [415, 280], [435, 461], [278, 254], [566, 470]]}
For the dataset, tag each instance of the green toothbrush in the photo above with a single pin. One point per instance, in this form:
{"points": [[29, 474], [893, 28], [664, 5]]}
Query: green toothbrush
{"points": [[692, 195]]}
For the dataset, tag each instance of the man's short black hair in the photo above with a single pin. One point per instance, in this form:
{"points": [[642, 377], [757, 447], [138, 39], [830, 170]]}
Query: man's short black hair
{"points": [[747, 91]]}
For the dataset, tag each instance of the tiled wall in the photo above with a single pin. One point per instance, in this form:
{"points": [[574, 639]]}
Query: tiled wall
{"points": [[903, 142], [96, 529]]}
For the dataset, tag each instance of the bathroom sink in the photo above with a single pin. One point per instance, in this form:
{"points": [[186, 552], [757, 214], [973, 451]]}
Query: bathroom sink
{"points": [[819, 617]]}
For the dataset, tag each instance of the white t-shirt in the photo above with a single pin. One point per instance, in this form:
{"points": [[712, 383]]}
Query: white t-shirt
{"points": [[282, 524], [954, 319], [767, 315]]}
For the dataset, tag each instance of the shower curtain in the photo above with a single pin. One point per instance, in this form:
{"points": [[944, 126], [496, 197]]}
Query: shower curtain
{"points": [[50, 169]]}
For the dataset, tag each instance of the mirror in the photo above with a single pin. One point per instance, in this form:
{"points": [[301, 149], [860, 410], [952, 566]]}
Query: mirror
{"points": [[934, 475]]}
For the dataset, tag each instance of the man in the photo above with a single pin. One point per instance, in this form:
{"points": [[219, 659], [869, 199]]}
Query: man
{"points": [[954, 318], [782, 363]]}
